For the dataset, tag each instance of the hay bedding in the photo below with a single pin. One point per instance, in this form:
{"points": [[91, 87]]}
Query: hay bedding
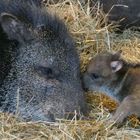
{"points": [[91, 38]]}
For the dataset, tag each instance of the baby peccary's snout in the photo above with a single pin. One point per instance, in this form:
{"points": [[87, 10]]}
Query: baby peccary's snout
{"points": [[110, 74]]}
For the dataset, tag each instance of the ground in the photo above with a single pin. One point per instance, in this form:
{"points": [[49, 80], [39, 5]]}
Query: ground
{"points": [[92, 37]]}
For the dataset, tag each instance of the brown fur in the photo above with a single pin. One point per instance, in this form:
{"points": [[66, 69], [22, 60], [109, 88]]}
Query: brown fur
{"points": [[111, 75]]}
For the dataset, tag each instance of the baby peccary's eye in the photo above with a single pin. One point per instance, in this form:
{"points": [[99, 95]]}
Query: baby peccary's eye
{"points": [[113, 68], [94, 76], [44, 71]]}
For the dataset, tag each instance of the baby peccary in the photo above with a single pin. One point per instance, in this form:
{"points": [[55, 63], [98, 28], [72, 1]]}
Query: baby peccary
{"points": [[110, 74]]}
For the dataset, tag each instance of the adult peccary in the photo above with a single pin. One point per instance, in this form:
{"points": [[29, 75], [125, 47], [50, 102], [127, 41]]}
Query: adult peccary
{"points": [[126, 13], [44, 77]]}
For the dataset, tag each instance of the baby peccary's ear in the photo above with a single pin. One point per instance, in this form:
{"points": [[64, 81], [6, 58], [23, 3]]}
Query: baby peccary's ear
{"points": [[116, 65], [14, 28]]}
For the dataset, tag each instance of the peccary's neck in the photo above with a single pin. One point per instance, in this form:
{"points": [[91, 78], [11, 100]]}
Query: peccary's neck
{"points": [[127, 80], [121, 84], [118, 89]]}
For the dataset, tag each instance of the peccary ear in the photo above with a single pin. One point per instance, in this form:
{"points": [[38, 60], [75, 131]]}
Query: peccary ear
{"points": [[14, 28], [116, 65]]}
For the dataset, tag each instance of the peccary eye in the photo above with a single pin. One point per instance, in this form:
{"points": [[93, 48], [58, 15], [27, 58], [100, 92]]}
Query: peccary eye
{"points": [[44, 71], [48, 71], [113, 68], [95, 76]]}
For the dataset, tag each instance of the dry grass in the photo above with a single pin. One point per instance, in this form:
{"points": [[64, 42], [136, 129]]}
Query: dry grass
{"points": [[91, 38]]}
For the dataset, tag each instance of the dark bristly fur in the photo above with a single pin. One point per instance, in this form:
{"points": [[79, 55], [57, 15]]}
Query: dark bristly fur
{"points": [[43, 80], [30, 14]]}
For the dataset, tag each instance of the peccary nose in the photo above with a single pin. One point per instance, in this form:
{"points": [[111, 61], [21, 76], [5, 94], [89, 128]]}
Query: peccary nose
{"points": [[85, 89], [50, 117], [45, 118], [84, 82]]}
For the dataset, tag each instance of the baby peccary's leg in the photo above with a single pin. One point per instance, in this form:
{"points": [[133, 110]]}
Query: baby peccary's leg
{"points": [[130, 105]]}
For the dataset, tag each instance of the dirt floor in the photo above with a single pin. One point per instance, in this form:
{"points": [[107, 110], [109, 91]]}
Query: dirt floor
{"points": [[92, 37]]}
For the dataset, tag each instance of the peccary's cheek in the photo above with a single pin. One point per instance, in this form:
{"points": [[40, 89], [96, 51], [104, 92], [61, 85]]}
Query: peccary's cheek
{"points": [[54, 105], [52, 85], [63, 101]]}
